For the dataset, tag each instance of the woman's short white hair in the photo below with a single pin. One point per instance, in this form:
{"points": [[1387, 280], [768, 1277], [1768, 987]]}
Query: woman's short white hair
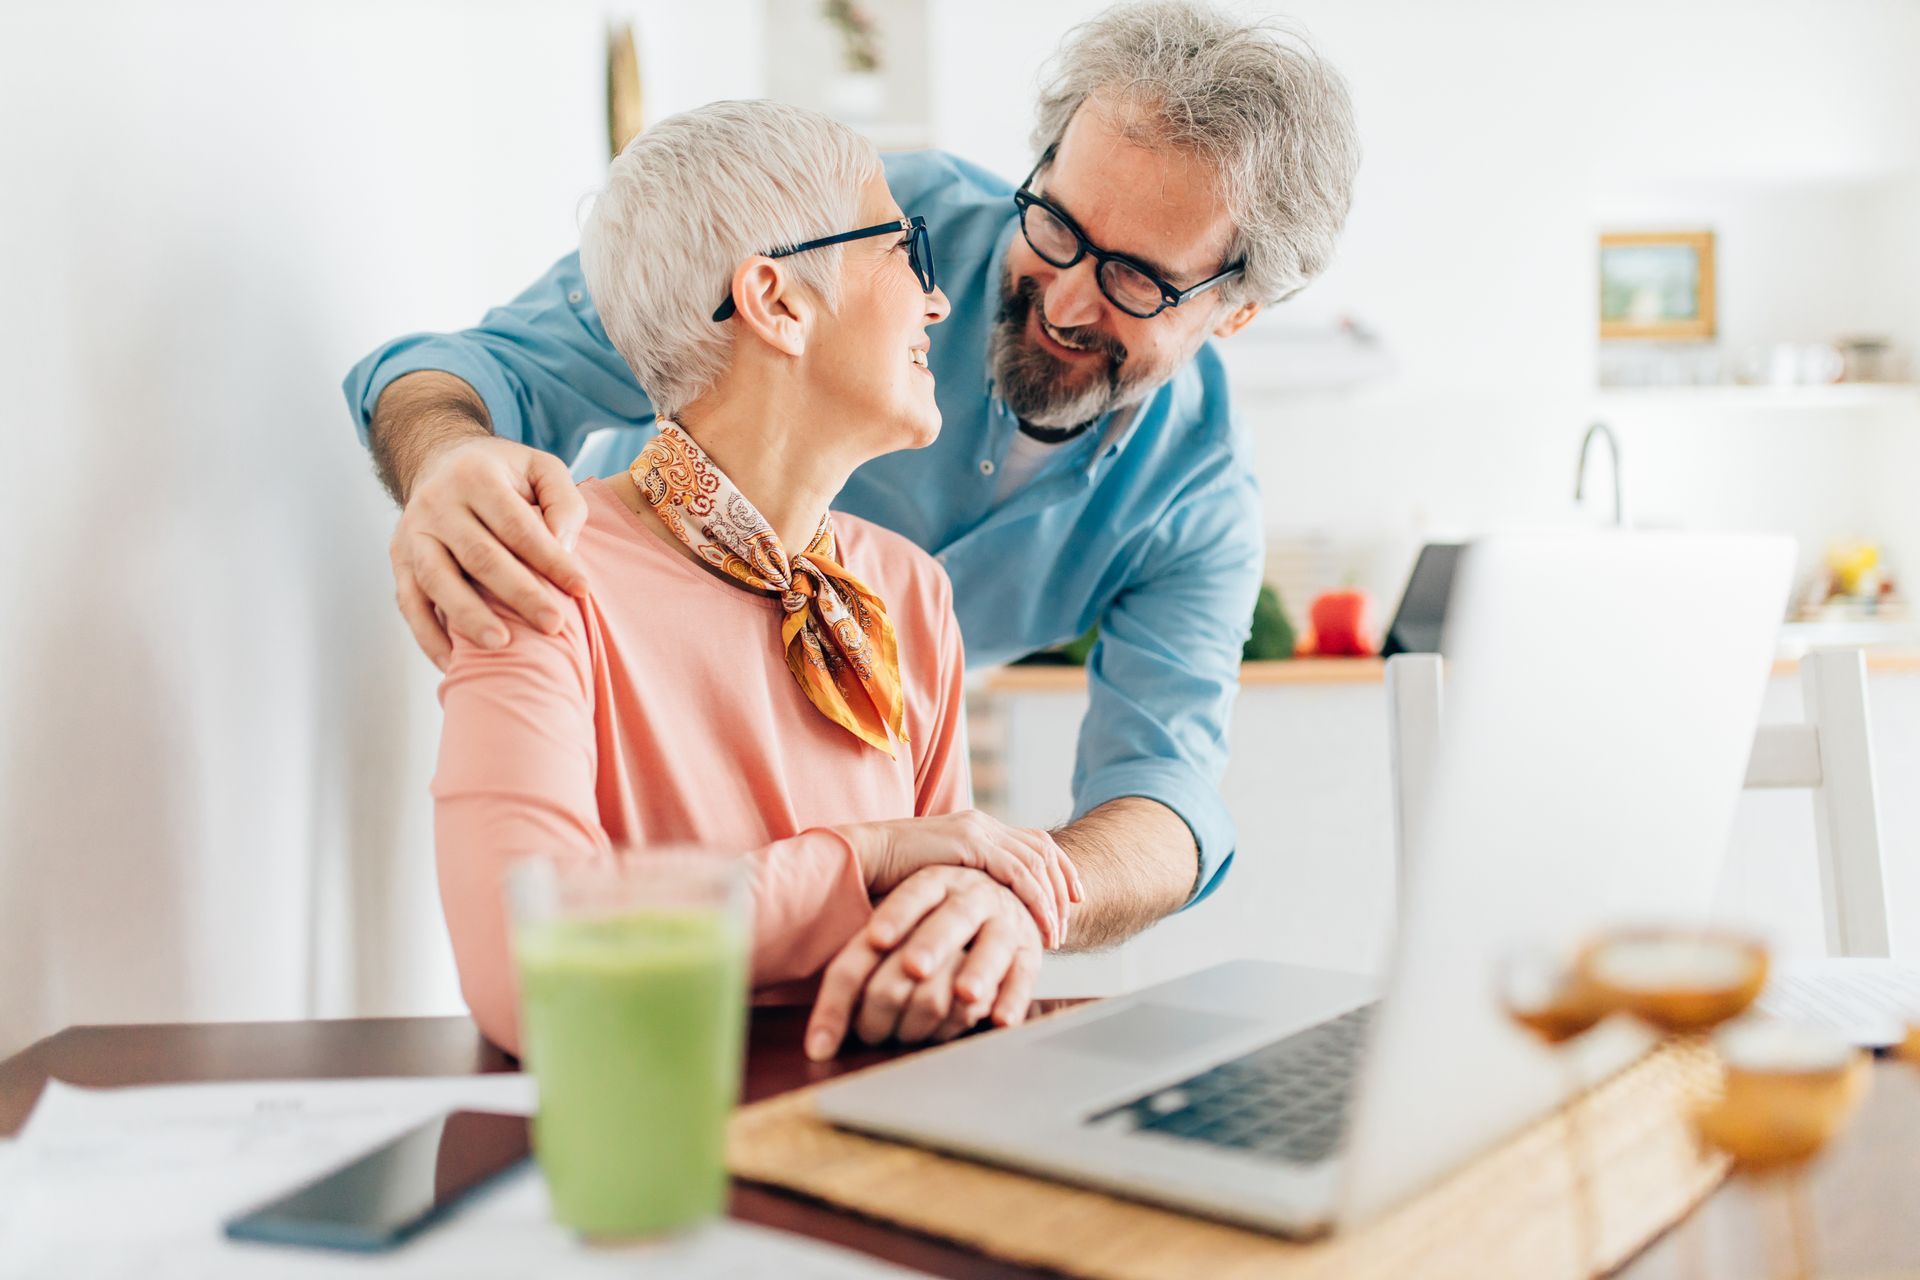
{"points": [[1251, 98], [691, 198]]}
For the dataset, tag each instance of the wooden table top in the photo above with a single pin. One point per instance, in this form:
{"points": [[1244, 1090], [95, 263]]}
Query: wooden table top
{"points": [[1865, 1192]]}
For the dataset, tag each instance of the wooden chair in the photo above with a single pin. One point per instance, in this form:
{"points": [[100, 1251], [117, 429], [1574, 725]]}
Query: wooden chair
{"points": [[1830, 753]]}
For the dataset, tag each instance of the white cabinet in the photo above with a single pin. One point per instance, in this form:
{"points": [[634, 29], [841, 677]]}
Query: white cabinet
{"points": [[1312, 881]]}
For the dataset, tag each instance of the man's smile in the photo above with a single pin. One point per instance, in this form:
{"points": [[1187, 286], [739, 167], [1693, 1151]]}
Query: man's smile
{"points": [[1058, 343]]}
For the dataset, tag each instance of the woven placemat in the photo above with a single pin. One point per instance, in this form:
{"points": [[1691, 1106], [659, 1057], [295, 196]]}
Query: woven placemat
{"points": [[1511, 1213]]}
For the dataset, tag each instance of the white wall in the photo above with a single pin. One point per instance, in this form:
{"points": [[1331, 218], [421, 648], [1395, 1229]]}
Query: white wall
{"points": [[215, 734], [1500, 139]]}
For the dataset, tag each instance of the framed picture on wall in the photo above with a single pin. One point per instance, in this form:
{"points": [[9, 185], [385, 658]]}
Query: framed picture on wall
{"points": [[1656, 284]]}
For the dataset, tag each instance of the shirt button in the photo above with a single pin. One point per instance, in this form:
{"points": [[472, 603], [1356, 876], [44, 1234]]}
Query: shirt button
{"points": [[986, 466], [574, 297]]}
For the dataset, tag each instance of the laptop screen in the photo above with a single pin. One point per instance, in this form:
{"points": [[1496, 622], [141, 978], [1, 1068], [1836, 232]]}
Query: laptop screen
{"points": [[1423, 606]]}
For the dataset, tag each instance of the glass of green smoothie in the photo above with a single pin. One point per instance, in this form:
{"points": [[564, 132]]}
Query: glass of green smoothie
{"points": [[633, 1011]]}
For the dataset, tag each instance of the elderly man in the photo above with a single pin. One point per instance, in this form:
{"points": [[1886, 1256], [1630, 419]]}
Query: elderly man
{"points": [[1190, 169]]}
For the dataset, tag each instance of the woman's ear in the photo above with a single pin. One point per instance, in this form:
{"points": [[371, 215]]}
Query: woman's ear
{"points": [[1236, 320], [769, 303]]}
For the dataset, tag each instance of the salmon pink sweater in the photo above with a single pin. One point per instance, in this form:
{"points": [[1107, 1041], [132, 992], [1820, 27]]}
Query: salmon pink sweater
{"points": [[663, 713]]}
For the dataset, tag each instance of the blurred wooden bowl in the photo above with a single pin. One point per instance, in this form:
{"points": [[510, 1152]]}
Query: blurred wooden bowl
{"points": [[1680, 981], [1550, 997], [1786, 1093]]}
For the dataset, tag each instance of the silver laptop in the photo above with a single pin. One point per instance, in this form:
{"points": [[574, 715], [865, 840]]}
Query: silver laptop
{"points": [[1602, 695]]}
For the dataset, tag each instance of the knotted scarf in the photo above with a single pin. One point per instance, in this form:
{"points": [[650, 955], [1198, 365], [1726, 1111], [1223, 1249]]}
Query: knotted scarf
{"points": [[839, 644]]}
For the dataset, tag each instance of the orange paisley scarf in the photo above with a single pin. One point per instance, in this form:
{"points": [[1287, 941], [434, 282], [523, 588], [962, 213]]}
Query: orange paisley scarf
{"points": [[838, 641]]}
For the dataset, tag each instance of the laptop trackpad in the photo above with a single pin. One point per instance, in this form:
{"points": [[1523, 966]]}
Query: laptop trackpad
{"points": [[1146, 1032]]}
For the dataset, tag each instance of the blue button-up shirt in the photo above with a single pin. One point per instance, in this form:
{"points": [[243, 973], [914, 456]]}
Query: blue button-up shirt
{"points": [[1148, 524]]}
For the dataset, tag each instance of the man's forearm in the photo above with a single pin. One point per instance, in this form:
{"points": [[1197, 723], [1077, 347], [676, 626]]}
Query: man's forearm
{"points": [[1137, 864], [419, 414]]}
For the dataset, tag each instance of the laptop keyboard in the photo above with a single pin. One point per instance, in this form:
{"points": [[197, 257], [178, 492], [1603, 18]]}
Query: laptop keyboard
{"points": [[1285, 1101]]}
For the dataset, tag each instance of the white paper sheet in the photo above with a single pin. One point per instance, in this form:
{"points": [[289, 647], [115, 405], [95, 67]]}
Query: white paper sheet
{"points": [[1868, 1002], [111, 1183]]}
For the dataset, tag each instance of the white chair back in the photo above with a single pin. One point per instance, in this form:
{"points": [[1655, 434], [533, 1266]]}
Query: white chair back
{"points": [[1830, 753]]}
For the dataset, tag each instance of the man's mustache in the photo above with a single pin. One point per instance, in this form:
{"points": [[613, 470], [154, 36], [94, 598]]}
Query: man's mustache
{"points": [[1025, 297]]}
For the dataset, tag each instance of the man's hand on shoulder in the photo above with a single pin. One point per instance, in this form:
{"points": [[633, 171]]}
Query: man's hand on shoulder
{"points": [[490, 512]]}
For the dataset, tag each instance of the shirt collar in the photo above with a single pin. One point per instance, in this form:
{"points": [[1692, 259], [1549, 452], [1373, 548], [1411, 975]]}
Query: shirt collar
{"points": [[1119, 429]]}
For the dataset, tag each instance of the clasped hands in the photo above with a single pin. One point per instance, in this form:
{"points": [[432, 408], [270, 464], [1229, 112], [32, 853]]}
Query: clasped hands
{"points": [[967, 907]]}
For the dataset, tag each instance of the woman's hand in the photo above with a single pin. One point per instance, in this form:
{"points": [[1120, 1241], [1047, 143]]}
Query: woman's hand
{"points": [[968, 949], [1026, 861]]}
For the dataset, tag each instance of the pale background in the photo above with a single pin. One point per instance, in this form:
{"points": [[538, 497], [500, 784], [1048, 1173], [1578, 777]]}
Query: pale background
{"points": [[215, 734]]}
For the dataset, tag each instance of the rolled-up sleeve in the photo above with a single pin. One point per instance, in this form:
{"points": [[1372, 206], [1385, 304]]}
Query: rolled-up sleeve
{"points": [[1164, 673], [542, 364]]}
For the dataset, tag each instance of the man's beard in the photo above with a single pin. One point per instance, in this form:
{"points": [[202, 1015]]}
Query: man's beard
{"points": [[1040, 387]]}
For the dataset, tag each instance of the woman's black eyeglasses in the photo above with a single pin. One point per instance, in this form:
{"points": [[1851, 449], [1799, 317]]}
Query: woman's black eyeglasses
{"points": [[1129, 284], [919, 251]]}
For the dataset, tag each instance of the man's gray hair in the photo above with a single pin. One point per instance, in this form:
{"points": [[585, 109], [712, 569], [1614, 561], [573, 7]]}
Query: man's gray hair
{"points": [[1251, 98], [691, 198]]}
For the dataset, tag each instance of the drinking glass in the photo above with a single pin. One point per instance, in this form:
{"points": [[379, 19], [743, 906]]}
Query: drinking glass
{"points": [[633, 1009]]}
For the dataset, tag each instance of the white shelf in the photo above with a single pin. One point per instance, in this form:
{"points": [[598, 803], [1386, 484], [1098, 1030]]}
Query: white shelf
{"points": [[1796, 638], [1839, 395]]}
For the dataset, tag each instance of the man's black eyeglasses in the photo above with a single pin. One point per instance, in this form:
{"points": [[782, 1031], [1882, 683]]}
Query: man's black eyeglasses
{"points": [[919, 251], [1129, 284]]}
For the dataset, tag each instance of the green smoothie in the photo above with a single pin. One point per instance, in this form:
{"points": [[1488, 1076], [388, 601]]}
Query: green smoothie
{"points": [[632, 1025]]}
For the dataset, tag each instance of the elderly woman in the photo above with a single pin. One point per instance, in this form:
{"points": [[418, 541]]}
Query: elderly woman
{"points": [[749, 671]]}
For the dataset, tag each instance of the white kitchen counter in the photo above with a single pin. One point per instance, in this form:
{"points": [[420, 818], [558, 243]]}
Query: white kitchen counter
{"points": [[1013, 680], [1307, 782]]}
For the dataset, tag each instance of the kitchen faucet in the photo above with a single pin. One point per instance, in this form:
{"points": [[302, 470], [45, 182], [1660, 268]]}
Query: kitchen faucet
{"points": [[1580, 478]]}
